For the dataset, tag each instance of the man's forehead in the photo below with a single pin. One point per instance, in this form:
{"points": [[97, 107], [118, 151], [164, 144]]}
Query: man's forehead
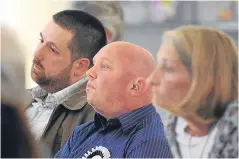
{"points": [[117, 52], [102, 58], [52, 32], [53, 28], [49, 24], [107, 54]]}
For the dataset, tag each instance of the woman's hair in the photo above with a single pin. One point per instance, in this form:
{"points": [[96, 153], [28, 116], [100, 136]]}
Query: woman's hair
{"points": [[16, 139], [211, 58]]}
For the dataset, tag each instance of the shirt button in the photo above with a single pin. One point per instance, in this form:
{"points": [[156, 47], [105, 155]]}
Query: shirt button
{"points": [[40, 109]]}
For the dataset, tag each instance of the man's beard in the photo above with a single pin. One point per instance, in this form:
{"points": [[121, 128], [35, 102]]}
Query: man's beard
{"points": [[57, 82]]}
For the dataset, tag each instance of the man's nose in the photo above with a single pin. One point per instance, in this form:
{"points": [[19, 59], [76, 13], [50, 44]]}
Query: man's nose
{"points": [[91, 73], [39, 52]]}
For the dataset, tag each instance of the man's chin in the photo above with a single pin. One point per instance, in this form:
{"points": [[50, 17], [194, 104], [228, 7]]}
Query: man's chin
{"points": [[90, 100], [36, 78]]}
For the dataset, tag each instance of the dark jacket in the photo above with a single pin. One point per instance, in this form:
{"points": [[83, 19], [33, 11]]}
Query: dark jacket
{"points": [[63, 121]]}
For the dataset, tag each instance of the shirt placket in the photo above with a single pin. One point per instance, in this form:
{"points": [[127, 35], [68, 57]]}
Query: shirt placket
{"points": [[40, 110]]}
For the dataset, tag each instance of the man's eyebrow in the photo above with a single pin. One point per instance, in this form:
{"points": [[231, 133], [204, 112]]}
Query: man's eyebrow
{"points": [[50, 42], [103, 59], [106, 59], [41, 35]]}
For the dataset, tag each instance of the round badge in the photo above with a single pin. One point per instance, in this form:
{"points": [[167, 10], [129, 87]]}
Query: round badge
{"points": [[99, 152]]}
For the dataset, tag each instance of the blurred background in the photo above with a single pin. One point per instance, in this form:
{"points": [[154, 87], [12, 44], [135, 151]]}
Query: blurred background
{"points": [[145, 21]]}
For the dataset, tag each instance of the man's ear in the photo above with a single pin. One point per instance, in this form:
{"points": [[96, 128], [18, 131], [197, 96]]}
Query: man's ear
{"points": [[79, 69], [138, 87]]}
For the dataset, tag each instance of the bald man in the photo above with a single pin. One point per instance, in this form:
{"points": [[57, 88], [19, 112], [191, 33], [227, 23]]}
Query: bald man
{"points": [[126, 125]]}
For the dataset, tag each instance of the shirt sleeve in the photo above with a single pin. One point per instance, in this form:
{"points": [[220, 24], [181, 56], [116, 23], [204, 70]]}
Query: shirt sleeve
{"points": [[65, 151], [151, 149]]}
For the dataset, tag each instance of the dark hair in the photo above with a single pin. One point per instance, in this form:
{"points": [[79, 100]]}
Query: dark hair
{"points": [[89, 34]]}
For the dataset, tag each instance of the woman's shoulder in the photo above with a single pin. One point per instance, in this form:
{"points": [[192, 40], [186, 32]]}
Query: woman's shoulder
{"points": [[230, 115], [231, 111], [227, 133]]}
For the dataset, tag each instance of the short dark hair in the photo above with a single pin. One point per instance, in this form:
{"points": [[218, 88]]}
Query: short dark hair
{"points": [[89, 34]]}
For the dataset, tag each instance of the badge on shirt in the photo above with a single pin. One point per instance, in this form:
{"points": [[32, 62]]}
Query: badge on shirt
{"points": [[98, 152]]}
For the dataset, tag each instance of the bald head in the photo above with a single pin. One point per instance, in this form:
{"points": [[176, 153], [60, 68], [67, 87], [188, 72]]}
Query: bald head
{"points": [[134, 59], [117, 81]]}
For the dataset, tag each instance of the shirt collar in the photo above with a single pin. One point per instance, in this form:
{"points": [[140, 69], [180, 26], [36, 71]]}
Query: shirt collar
{"points": [[127, 121], [38, 93], [102, 122], [72, 97]]}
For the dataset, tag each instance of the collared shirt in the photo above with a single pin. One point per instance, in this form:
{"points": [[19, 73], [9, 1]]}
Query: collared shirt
{"points": [[137, 134], [41, 110]]}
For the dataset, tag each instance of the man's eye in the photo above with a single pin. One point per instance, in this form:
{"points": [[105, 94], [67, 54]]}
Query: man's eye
{"points": [[53, 49], [104, 66]]}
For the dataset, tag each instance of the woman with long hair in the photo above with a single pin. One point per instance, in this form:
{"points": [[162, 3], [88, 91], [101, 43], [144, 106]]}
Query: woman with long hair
{"points": [[197, 82]]}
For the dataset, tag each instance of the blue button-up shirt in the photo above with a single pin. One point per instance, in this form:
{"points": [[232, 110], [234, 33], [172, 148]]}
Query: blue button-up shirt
{"points": [[137, 134]]}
